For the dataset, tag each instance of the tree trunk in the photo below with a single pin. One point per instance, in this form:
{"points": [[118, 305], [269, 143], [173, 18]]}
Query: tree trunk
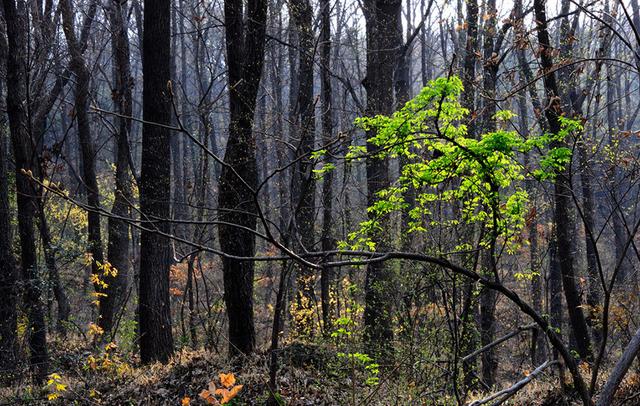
{"points": [[118, 244], [8, 268], [327, 240], [562, 193], [25, 168], [79, 68], [156, 340], [245, 41], [383, 39], [303, 181]]}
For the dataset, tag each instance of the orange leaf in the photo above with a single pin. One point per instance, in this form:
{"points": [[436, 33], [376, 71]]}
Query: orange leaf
{"points": [[227, 395], [227, 380], [186, 401], [208, 397]]}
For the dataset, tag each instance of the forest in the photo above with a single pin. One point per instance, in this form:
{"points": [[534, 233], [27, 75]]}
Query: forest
{"points": [[320, 202]]}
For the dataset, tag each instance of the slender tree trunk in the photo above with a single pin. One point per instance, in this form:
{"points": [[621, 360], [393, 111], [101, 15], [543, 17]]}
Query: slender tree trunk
{"points": [[245, 42], [8, 268], [118, 243], [487, 296], [562, 194], [538, 350], [64, 307], [469, 64], [156, 340], [25, 168], [303, 181], [79, 68]]}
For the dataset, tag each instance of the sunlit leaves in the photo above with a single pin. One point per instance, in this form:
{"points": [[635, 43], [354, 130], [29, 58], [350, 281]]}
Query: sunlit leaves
{"points": [[226, 393], [55, 386], [483, 176]]}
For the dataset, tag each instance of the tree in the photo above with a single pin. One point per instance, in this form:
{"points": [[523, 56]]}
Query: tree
{"points": [[79, 67], [383, 39], [303, 183], [562, 192], [156, 339], [326, 106], [118, 243], [26, 168], [245, 26], [8, 268]]}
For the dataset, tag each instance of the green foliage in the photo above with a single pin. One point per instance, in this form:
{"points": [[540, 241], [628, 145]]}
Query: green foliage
{"points": [[444, 164]]}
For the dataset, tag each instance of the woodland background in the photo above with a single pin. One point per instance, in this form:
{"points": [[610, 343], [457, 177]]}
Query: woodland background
{"points": [[338, 202]]}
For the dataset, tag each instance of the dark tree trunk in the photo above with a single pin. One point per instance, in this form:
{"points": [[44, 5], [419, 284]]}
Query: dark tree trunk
{"points": [[87, 151], [245, 41], [25, 167], [118, 243], [487, 296], [469, 64], [64, 307], [156, 340], [589, 213], [326, 105], [383, 39], [562, 193], [8, 268], [538, 350], [303, 181]]}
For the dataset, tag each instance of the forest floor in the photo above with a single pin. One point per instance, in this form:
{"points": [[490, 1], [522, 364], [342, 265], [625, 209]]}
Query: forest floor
{"points": [[309, 375]]}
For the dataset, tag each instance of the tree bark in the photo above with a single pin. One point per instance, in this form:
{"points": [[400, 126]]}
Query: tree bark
{"points": [[619, 371], [245, 42], [383, 40], [156, 340], [327, 240], [25, 167], [303, 181], [118, 243], [8, 269], [79, 68], [562, 193]]}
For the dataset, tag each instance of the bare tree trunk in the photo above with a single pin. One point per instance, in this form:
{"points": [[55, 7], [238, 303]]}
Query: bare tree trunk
{"points": [[328, 242], [87, 150], [156, 340], [118, 243], [303, 182], [619, 371], [538, 350], [25, 167], [64, 308], [8, 267], [562, 194], [245, 42]]}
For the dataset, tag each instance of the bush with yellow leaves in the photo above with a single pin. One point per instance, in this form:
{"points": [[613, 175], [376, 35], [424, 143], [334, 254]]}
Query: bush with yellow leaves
{"points": [[108, 362], [55, 386]]}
